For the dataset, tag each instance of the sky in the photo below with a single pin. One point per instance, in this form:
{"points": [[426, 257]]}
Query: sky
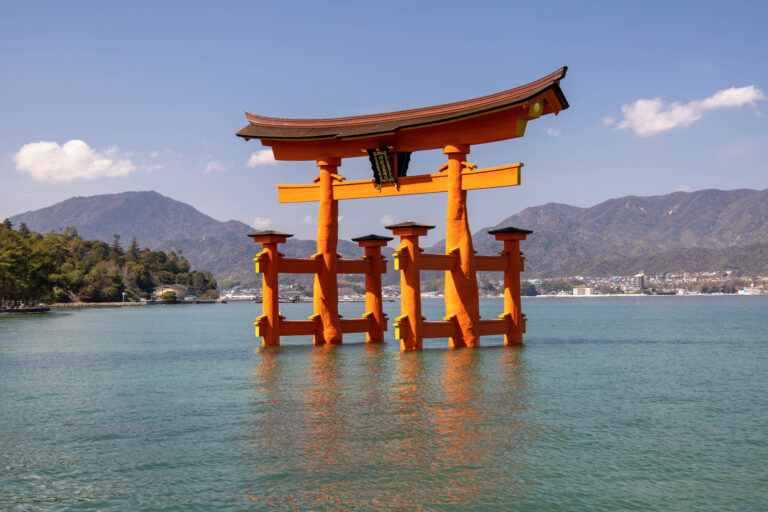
{"points": [[107, 97]]}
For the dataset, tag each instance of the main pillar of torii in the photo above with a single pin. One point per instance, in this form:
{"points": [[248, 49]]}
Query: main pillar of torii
{"points": [[388, 139]]}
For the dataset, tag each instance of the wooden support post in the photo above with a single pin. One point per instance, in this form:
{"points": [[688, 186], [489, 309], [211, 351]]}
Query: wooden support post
{"points": [[515, 265], [267, 263], [461, 294], [410, 323], [326, 293], [374, 309]]}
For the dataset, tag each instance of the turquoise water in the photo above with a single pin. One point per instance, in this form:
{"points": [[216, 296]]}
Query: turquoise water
{"points": [[648, 403]]}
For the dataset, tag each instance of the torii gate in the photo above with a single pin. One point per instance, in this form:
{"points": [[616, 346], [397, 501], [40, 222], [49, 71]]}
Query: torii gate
{"points": [[388, 139]]}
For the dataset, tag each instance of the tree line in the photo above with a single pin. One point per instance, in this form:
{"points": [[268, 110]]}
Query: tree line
{"points": [[62, 267]]}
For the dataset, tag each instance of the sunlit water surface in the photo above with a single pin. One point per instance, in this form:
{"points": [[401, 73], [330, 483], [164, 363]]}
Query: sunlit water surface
{"points": [[648, 403]]}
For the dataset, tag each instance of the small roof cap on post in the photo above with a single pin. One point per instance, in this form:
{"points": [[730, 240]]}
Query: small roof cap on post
{"points": [[269, 236], [409, 224], [510, 233], [409, 228], [372, 237], [372, 240]]}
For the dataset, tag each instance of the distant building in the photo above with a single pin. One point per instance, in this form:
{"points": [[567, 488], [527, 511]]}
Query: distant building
{"points": [[639, 281], [583, 290]]}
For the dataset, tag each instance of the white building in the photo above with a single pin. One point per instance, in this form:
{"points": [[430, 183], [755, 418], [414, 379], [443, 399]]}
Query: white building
{"points": [[583, 290]]}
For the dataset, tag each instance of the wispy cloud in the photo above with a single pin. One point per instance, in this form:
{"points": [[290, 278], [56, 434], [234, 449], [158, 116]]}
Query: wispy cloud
{"points": [[554, 132], [262, 222], [263, 157], [608, 121], [682, 188], [49, 161], [649, 117], [214, 166], [387, 219], [313, 220]]}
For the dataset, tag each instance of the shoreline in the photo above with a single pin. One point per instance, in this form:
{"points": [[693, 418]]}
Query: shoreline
{"points": [[76, 305]]}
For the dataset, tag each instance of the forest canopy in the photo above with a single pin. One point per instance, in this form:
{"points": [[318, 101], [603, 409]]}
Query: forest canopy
{"points": [[62, 267]]}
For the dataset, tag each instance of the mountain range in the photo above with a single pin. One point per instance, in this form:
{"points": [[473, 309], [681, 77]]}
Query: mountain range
{"points": [[682, 231]]}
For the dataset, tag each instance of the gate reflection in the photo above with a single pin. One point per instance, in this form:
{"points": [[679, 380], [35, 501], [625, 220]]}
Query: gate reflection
{"points": [[369, 428]]}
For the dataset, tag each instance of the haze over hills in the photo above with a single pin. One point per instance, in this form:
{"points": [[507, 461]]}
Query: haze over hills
{"points": [[683, 231]]}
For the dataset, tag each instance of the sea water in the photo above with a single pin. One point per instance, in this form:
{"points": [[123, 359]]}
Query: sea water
{"points": [[642, 403]]}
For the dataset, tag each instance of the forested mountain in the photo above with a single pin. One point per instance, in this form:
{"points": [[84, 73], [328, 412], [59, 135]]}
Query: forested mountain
{"points": [[164, 224], [63, 267], [683, 231]]}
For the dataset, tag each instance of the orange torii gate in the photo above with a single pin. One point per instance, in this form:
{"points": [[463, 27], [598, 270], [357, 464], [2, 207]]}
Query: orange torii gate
{"points": [[388, 139]]}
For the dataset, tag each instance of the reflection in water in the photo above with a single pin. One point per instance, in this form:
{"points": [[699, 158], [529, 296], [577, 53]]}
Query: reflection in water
{"points": [[348, 428]]}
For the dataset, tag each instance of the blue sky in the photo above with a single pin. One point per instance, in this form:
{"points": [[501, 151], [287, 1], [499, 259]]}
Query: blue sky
{"points": [[148, 95]]}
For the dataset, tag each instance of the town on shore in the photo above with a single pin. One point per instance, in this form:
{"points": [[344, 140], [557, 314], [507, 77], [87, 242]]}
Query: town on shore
{"points": [[721, 282]]}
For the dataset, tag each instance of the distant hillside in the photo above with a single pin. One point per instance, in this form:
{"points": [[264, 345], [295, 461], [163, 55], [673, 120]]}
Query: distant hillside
{"points": [[161, 223], [683, 231], [689, 231]]}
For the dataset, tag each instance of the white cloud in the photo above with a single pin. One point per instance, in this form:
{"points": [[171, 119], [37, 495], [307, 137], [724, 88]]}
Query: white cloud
{"points": [[554, 132], [649, 117], [682, 188], [313, 220], [758, 113], [213, 165], [608, 121], [733, 97], [387, 219], [263, 157], [154, 154], [49, 161], [261, 222]]}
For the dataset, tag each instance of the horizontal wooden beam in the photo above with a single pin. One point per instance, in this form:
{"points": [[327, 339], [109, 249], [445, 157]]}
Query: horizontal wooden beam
{"points": [[298, 266], [288, 327], [489, 327], [491, 177], [315, 327], [444, 329], [356, 325], [438, 261], [360, 266], [491, 263], [312, 266]]}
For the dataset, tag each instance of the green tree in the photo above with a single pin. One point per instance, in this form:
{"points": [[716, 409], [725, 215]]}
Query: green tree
{"points": [[528, 289], [168, 297], [23, 230], [133, 251]]}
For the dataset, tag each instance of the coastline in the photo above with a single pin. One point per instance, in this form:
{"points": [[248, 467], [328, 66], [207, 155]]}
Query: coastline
{"points": [[75, 305]]}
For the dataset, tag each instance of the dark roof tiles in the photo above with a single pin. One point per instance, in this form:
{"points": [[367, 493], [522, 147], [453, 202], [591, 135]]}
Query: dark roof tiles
{"points": [[509, 229], [261, 127], [371, 238], [269, 232], [409, 224]]}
